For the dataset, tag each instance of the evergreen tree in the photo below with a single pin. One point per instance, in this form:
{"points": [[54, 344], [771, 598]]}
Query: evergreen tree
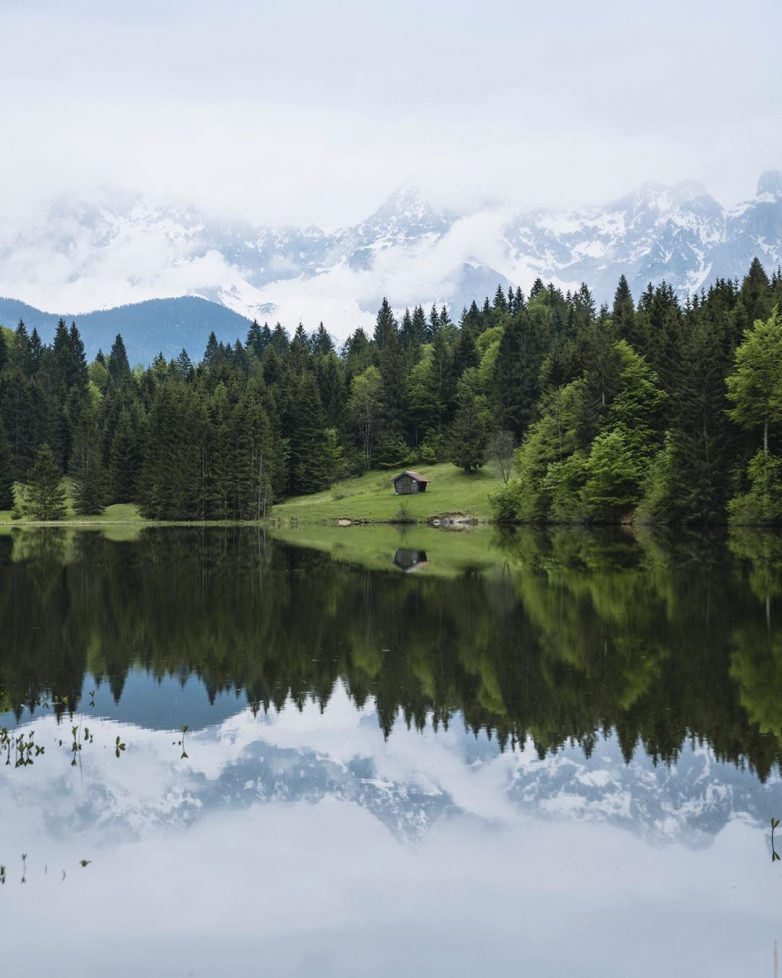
{"points": [[44, 496], [118, 365], [87, 471], [6, 473], [22, 351], [309, 458], [469, 432], [420, 332], [623, 312], [126, 456], [516, 382], [385, 325]]}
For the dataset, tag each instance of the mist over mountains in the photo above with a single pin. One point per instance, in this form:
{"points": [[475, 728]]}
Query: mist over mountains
{"points": [[76, 257]]}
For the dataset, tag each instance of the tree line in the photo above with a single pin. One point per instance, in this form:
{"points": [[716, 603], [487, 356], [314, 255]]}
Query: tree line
{"points": [[660, 408]]}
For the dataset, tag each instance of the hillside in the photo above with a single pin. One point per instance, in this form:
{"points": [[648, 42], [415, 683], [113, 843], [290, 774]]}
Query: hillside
{"points": [[371, 498], [156, 326]]}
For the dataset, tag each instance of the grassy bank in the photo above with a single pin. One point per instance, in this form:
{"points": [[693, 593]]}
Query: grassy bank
{"points": [[371, 498], [448, 553], [118, 513]]}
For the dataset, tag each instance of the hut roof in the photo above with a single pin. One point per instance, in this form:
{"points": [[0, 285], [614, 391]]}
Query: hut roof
{"points": [[413, 475]]}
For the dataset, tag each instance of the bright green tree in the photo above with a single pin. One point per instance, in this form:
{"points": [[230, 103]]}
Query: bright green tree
{"points": [[755, 385], [366, 409], [44, 496]]}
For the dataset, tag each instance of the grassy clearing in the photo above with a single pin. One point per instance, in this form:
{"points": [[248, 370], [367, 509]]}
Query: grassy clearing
{"points": [[371, 498], [116, 513], [368, 498], [448, 552]]}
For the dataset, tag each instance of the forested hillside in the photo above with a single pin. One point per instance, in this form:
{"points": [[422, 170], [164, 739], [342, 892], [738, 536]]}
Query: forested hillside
{"points": [[670, 411]]}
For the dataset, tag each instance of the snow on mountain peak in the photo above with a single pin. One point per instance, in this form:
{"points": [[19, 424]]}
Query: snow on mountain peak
{"points": [[78, 255]]}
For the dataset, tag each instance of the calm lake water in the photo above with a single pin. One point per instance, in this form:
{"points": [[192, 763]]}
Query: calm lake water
{"points": [[539, 754]]}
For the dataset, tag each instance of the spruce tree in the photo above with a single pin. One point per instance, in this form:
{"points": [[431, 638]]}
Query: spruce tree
{"points": [[419, 327], [118, 365], [87, 472], [469, 432], [6, 473], [23, 354], [44, 496], [385, 325], [623, 312]]}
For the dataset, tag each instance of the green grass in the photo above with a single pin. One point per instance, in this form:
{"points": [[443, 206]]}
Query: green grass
{"points": [[116, 513], [371, 498], [449, 553]]}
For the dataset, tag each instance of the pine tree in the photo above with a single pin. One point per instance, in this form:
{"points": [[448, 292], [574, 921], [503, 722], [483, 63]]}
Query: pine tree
{"points": [[22, 351], [6, 473], [309, 464], [123, 437], [255, 340], [385, 325], [322, 344], [420, 330], [516, 381], [44, 496], [500, 302], [118, 365], [623, 312], [87, 471], [469, 433]]}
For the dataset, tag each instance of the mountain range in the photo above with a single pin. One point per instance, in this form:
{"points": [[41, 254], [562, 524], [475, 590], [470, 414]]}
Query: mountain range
{"points": [[110, 256]]}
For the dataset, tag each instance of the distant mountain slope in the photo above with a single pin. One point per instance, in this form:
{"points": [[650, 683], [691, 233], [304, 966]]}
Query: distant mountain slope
{"points": [[111, 249], [148, 328]]}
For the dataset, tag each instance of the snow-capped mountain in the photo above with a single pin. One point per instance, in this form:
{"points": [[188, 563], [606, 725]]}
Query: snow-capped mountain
{"points": [[74, 257], [408, 783]]}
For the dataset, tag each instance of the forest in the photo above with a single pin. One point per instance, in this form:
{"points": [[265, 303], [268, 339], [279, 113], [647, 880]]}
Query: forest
{"points": [[654, 410]]}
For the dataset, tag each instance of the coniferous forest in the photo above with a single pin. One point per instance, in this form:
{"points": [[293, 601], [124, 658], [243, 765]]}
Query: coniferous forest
{"points": [[665, 410]]}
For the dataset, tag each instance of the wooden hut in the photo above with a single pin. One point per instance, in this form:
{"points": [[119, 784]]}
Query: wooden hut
{"points": [[408, 482]]}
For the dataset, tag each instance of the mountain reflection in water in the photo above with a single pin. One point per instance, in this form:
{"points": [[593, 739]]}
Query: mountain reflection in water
{"points": [[501, 722]]}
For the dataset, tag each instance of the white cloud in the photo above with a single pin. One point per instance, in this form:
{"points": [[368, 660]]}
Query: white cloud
{"points": [[309, 113]]}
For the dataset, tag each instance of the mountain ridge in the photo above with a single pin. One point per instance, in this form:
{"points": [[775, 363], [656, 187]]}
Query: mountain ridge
{"points": [[123, 250]]}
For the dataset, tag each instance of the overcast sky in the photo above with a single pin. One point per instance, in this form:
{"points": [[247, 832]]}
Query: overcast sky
{"points": [[312, 112]]}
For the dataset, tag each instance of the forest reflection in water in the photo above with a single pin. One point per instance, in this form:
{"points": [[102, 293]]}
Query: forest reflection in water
{"points": [[255, 751], [559, 636]]}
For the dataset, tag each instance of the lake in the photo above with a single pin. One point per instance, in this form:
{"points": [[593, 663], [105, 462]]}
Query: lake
{"points": [[350, 751]]}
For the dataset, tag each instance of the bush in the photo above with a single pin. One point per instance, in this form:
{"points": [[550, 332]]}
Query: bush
{"points": [[505, 503], [762, 504], [432, 450], [392, 452], [403, 515]]}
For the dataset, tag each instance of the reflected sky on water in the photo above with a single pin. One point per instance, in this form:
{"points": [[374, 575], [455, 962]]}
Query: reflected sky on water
{"points": [[309, 836]]}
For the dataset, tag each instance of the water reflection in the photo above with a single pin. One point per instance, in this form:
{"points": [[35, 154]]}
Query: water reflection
{"points": [[409, 560], [329, 767], [569, 636]]}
